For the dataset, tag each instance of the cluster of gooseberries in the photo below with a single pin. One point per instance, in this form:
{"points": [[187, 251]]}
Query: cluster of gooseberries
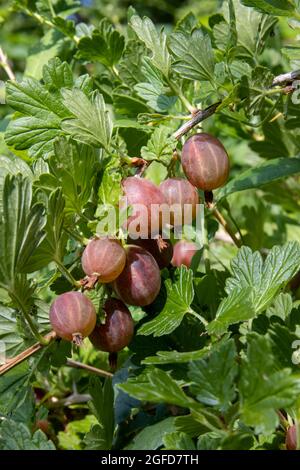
{"points": [[133, 270]]}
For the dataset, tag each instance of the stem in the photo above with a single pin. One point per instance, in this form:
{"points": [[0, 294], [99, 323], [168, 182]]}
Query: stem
{"points": [[66, 273], [51, 8], [197, 315], [206, 249], [181, 96], [219, 217], [5, 65], [199, 117], [210, 110], [27, 353], [94, 370]]}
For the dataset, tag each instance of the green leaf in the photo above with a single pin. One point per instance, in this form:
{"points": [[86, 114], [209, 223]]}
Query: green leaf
{"points": [[73, 165], [71, 437], [281, 307], [105, 45], [152, 437], [254, 283], [292, 53], [263, 174], [160, 146], [156, 386], [102, 406], [155, 97], [194, 58], [271, 7], [179, 298], [178, 441], [21, 228], [12, 165], [92, 124], [16, 436], [43, 112], [52, 44], [57, 75], [9, 337], [14, 389], [53, 246], [235, 308], [213, 377], [264, 278], [154, 40], [263, 389], [170, 357]]}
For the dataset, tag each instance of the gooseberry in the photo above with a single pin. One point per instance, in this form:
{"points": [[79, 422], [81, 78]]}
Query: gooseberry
{"points": [[205, 162], [104, 258], [159, 248], [72, 316], [117, 331], [139, 283], [183, 253], [179, 192]]}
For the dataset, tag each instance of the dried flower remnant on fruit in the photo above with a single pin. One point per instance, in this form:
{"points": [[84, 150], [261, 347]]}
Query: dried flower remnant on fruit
{"points": [[103, 259], [205, 162], [72, 316]]}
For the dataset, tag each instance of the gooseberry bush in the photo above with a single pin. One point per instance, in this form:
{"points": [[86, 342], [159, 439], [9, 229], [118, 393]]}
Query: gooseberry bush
{"points": [[161, 340]]}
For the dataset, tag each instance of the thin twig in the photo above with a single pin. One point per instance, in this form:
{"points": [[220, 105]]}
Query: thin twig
{"points": [[286, 77], [5, 65], [201, 115], [196, 119], [219, 217], [94, 370], [26, 354]]}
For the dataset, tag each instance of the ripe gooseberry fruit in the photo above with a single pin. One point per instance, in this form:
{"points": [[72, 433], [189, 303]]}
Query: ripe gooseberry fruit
{"points": [[139, 283], [291, 438], [141, 194], [72, 316], [180, 192], [160, 249], [183, 253], [104, 258], [205, 162], [118, 329]]}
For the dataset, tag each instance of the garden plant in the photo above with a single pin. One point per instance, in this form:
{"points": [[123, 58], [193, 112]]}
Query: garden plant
{"points": [[120, 329]]}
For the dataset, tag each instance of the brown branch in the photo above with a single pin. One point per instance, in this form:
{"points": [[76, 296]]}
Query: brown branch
{"points": [[37, 347], [284, 79], [196, 119], [26, 354], [5, 65], [94, 370]]}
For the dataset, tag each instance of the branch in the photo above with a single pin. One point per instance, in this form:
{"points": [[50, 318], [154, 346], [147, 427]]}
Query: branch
{"points": [[286, 77], [201, 115], [26, 354], [37, 347], [196, 119], [94, 370], [5, 65]]}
